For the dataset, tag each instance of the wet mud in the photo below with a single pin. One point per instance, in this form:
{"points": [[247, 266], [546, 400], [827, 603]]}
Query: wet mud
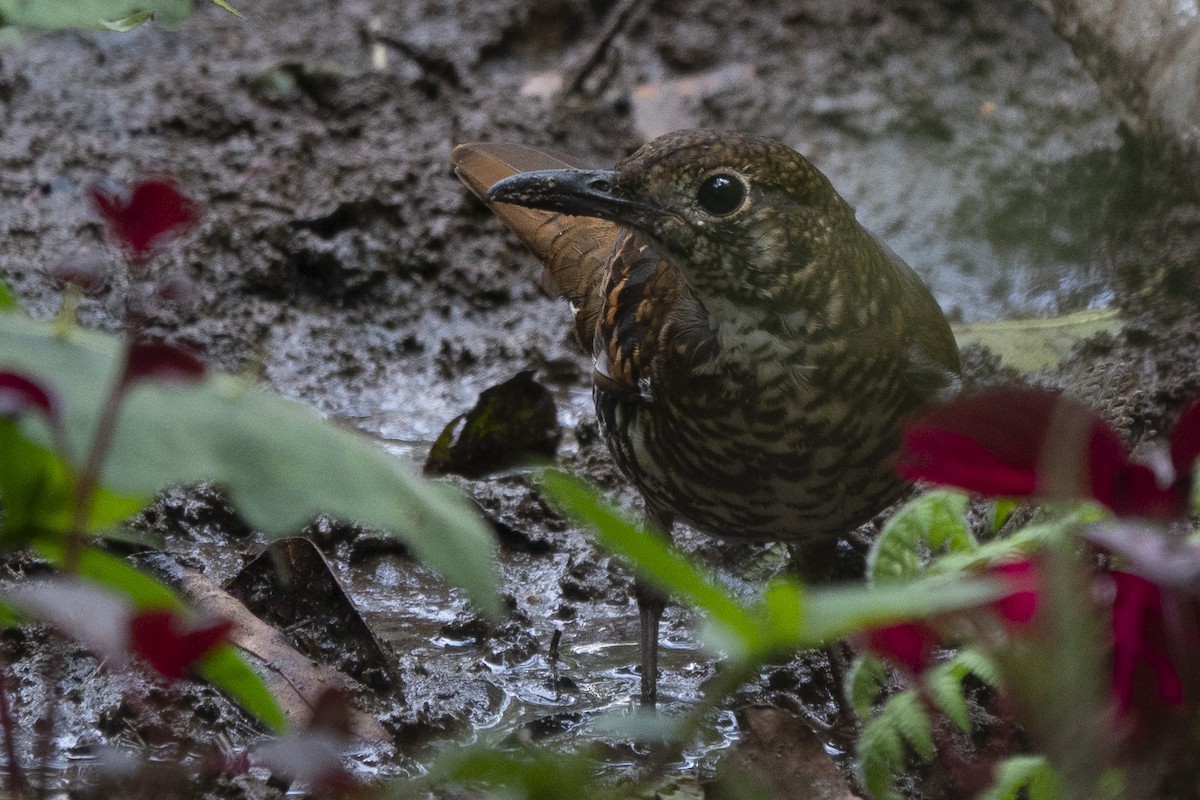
{"points": [[340, 261]]}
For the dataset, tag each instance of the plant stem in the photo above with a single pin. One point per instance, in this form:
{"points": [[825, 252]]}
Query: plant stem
{"points": [[89, 478]]}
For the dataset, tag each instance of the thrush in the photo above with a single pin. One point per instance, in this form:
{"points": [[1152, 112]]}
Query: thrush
{"points": [[754, 347]]}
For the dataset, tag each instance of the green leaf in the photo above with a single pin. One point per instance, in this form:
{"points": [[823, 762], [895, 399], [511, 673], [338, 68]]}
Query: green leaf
{"points": [[525, 773], [8, 300], [947, 691], [789, 616], [141, 589], [831, 614], [1002, 509], [10, 617], [1024, 542], [227, 7], [933, 523], [223, 668], [1024, 778], [127, 23], [37, 493], [282, 464], [864, 684], [61, 14], [945, 684], [1058, 675], [783, 607], [885, 741], [226, 670], [652, 558]]}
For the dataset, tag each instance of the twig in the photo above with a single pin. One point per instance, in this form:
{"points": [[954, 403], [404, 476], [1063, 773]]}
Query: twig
{"points": [[438, 67], [621, 18]]}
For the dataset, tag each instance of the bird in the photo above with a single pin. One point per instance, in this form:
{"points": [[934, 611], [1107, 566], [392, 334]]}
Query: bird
{"points": [[755, 349]]}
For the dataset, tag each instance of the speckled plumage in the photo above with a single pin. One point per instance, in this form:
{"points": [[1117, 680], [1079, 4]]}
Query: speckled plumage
{"points": [[754, 347], [750, 369]]}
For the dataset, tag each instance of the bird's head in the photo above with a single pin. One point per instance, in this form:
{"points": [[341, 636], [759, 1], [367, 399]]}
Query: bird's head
{"points": [[746, 218]]}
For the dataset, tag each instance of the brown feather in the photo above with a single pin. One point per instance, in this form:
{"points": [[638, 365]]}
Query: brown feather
{"points": [[574, 250]]}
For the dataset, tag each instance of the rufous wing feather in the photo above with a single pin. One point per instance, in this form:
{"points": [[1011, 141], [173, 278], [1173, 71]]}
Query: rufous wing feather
{"points": [[574, 250]]}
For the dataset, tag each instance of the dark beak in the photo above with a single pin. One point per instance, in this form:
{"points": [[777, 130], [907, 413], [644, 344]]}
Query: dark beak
{"points": [[580, 192]]}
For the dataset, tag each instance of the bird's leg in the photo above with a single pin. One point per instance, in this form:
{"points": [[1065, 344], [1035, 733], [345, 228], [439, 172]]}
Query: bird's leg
{"points": [[651, 603], [821, 562]]}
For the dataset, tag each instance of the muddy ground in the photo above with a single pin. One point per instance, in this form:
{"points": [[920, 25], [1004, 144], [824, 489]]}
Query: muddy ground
{"points": [[340, 260]]}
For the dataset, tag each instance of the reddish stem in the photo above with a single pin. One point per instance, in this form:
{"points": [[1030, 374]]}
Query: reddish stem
{"points": [[89, 478]]}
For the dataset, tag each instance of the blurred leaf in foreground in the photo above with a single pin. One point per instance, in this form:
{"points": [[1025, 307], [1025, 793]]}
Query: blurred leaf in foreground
{"points": [[282, 464], [60, 14], [222, 666], [789, 616]]}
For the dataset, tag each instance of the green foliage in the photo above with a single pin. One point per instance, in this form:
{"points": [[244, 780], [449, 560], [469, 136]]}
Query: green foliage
{"points": [[523, 773], [655, 560], [230, 673], [61, 14], [1052, 673], [1025, 778], [282, 463], [931, 524], [1021, 543], [865, 683], [788, 616], [227, 7], [224, 668], [902, 726], [134, 20], [945, 684], [1058, 675], [37, 492], [1002, 509], [112, 15], [8, 300], [831, 614]]}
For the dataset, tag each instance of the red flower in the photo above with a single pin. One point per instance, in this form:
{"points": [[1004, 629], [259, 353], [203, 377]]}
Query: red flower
{"points": [[19, 394], [1020, 607], [1029, 442], [170, 644], [912, 646], [1144, 672], [154, 212], [908, 645], [162, 362]]}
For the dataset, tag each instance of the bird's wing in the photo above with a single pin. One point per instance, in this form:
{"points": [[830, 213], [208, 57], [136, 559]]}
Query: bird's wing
{"points": [[933, 364], [574, 250]]}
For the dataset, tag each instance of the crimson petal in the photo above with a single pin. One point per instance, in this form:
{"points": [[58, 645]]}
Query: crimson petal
{"points": [[155, 212], [1021, 606], [1016, 442], [160, 362], [1136, 491], [1185, 442], [910, 645], [19, 394], [164, 640], [1139, 638]]}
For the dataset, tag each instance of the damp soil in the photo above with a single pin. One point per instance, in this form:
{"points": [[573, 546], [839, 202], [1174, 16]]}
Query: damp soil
{"points": [[340, 261]]}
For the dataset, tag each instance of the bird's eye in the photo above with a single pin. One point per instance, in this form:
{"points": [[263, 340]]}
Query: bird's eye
{"points": [[721, 194]]}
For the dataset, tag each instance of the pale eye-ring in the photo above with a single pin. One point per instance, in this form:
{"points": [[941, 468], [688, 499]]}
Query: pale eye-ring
{"points": [[722, 193]]}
